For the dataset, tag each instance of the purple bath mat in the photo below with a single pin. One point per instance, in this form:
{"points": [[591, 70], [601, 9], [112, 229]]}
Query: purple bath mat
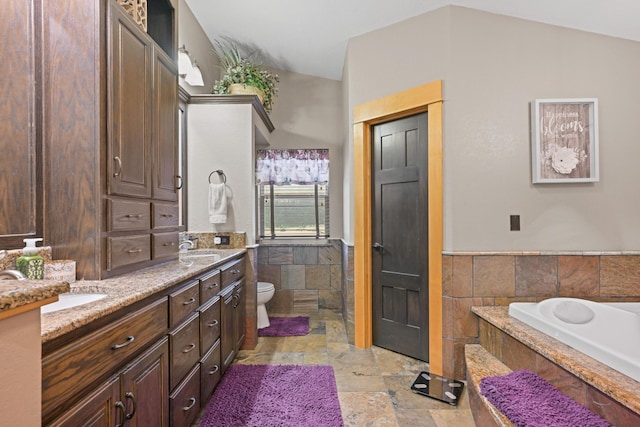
{"points": [[285, 327], [274, 395], [530, 401]]}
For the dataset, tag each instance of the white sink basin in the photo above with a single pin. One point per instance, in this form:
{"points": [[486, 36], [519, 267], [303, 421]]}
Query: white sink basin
{"points": [[214, 256], [69, 300], [201, 253]]}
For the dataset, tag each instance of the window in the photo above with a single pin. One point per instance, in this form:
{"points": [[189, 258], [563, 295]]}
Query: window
{"points": [[293, 193]]}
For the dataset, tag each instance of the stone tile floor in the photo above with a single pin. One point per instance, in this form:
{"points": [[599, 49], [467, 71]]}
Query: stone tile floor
{"points": [[374, 385]]}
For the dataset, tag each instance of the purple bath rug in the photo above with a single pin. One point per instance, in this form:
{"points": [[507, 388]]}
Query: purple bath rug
{"points": [[530, 401], [274, 395], [285, 327]]}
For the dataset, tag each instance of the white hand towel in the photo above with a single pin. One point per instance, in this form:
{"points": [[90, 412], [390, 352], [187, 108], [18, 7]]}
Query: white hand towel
{"points": [[217, 203]]}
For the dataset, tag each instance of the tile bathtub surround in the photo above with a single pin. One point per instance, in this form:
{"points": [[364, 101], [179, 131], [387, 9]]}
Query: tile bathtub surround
{"points": [[306, 277], [476, 279], [373, 384]]}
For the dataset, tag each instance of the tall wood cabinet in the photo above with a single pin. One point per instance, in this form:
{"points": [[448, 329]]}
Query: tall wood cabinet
{"points": [[21, 196], [110, 142]]}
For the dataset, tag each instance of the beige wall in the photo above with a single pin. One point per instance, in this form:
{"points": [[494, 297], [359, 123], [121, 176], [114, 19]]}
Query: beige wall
{"points": [[193, 38], [493, 66], [223, 137], [308, 114]]}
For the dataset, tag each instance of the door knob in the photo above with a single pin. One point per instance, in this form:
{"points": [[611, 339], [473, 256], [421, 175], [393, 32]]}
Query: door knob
{"points": [[378, 247]]}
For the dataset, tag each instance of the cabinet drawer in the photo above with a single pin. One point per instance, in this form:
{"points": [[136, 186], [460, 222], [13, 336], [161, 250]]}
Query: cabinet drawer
{"points": [[165, 215], [209, 324], [165, 244], [209, 286], [127, 250], [184, 343], [184, 402], [68, 370], [232, 272], [209, 372], [124, 215], [183, 301]]}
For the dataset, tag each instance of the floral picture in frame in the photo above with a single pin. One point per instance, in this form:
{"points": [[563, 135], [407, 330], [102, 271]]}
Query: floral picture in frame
{"points": [[564, 140]]}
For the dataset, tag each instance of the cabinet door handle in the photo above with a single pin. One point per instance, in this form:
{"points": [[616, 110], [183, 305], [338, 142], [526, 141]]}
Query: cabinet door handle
{"points": [[165, 215], [189, 348], [134, 251], [121, 409], [118, 168], [236, 298], [181, 182], [192, 402], [189, 301], [235, 271], [129, 340], [170, 244], [136, 216], [214, 370], [212, 324], [129, 395], [215, 285]]}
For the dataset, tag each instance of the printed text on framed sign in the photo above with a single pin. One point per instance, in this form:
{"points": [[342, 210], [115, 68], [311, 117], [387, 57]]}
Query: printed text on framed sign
{"points": [[564, 140]]}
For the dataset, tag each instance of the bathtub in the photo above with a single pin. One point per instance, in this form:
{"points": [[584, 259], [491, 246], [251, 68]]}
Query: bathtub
{"points": [[607, 332]]}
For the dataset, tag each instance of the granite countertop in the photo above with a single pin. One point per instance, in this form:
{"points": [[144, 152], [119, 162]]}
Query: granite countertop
{"points": [[618, 386], [129, 288], [15, 294]]}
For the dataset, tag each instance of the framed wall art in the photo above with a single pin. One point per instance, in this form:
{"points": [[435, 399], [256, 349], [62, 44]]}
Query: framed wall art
{"points": [[564, 140]]}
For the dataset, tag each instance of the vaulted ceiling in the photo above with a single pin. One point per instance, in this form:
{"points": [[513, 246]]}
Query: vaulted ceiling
{"points": [[310, 36]]}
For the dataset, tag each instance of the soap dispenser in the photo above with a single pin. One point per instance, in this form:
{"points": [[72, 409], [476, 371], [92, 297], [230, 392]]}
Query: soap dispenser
{"points": [[31, 264]]}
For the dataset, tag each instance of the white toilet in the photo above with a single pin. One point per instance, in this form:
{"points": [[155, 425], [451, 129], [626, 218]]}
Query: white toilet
{"points": [[266, 291]]}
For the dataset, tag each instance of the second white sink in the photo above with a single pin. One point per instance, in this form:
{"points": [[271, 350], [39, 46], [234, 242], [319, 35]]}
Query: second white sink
{"points": [[69, 300]]}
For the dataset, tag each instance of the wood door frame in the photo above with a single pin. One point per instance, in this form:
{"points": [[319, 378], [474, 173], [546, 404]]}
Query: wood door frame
{"points": [[427, 97]]}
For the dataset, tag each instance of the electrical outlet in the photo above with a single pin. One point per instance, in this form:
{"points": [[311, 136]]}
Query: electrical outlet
{"points": [[216, 240], [514, 222]]}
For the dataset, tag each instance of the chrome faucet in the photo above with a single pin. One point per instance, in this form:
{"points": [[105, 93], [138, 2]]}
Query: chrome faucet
{"points": [[185, 245], [186, 242], [12, 275]]}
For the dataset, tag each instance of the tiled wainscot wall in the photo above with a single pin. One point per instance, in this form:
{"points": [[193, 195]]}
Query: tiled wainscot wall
{"points": [[499, 279], [307, 277]]}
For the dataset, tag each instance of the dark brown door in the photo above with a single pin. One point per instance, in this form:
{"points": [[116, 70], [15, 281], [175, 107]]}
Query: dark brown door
{"points": [[399, 236]]}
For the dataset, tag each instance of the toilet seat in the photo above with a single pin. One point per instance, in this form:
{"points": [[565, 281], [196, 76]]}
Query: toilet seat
{"points": [[265, 287]]}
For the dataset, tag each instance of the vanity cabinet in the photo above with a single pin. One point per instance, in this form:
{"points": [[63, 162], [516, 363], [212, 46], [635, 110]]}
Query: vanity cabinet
{"points": [[137, 395], [110, 139], [72, 370], [161, 360]]}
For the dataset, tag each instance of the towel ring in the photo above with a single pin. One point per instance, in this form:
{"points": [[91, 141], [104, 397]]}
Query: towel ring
{"points": [[221, 175]]}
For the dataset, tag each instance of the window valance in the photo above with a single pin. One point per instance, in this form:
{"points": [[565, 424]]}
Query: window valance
{"points": [[284, 167]]}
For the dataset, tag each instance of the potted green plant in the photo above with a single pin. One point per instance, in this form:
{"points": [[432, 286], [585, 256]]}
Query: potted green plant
{"points": [[244, 74]]}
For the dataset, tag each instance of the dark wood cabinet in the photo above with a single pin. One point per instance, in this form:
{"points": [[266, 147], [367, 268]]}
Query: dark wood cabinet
{"points": [[165, 128], [130, 102], [20, 180], [153, 365], [96, 410], [138, 394], [110, 136], [227, 332], [145, 388]]}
